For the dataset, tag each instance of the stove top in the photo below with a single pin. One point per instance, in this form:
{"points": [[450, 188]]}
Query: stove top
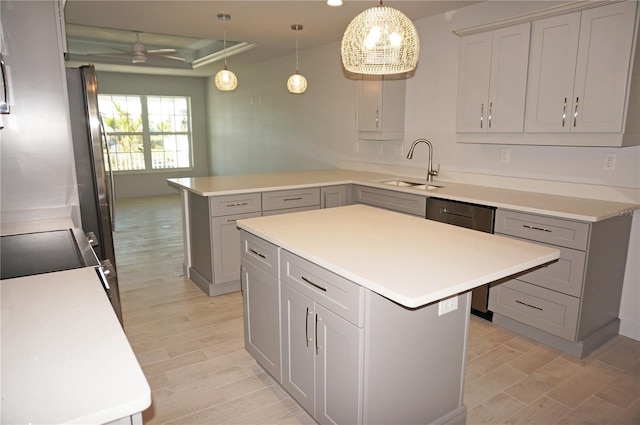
{"points": [[44, 252]]}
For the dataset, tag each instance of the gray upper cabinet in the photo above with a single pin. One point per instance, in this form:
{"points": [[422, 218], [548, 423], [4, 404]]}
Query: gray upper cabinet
{"points": [[492, 80], [381, 105], [579, 70], [577, 88]]}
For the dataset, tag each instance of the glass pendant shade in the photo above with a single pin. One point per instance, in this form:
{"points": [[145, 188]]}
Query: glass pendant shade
{"points": [[297, 84], [380, 41], [226, 80]]}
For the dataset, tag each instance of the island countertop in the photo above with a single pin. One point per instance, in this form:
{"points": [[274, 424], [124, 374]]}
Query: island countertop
{"points": [[406, 259], [65, 357], [574, 208]]}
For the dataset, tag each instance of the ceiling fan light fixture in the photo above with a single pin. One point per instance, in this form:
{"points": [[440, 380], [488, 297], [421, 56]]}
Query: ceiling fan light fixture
{"points": [[380, 41], [225, 80], [297, 84], [138, 57]]}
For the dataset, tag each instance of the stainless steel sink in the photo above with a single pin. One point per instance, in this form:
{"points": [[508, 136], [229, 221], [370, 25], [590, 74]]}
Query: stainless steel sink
{"points": [[415, 185]]}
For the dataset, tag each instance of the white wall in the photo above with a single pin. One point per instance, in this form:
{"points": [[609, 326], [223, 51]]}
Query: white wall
{"points": [[155, 183], [317, 129], [37, 169]]}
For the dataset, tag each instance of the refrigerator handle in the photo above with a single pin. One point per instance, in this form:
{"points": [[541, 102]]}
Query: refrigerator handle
{"points": [[112, 186], [4, 102]]}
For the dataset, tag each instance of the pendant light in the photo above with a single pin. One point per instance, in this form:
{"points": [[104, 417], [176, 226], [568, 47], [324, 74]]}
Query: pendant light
{"points": [[297, 84], [225, 80], [379, 41]]}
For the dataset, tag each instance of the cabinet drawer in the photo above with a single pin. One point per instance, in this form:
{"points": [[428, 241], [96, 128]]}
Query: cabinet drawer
{"points": [[289, 210], [541, 308], [556, 231], [565, 275], [259, 252], [391, 200], [234, 204], [335, 293], [282, 199]]}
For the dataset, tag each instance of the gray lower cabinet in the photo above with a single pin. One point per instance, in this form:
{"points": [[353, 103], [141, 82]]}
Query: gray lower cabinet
{"points": [[291, 200], [261, 302], [215, 240], [335, 196], [391, 200], [571, 304], [346, 354]]}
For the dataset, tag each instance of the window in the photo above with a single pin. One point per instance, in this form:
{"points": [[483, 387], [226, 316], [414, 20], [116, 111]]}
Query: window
{"points": [[147, 132]]}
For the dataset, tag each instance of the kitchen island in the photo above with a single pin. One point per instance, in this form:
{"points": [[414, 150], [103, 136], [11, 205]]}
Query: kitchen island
{"points": [[362, 313]]}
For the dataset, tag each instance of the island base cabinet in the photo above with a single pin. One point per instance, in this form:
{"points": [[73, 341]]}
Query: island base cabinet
{"points": [[321, 360], [261, 318], [414, 362]]}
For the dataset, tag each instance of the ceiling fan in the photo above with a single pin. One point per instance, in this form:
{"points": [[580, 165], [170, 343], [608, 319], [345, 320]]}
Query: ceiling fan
{"points": [[139, 54]]}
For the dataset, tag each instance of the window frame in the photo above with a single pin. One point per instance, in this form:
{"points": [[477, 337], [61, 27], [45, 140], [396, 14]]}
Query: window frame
{"points": [[146, 134]]}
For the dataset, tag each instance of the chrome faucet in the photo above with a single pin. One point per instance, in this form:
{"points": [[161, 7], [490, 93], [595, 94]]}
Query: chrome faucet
{"points": [[430, 171]]}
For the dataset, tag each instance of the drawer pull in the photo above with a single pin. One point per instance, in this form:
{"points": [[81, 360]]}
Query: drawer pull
{"points": [[314, 284], [529, 305], [293, 199], [316, 331], [237, 204], [528, 226], [253, 251]]}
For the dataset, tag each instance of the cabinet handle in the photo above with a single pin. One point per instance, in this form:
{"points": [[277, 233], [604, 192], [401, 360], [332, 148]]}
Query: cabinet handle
{"points": [[316, 333], [377, 118], [314, 284], [575, 113], [306, 328], [490, 112], [241, 289], [293, 199], [237, 204], [231, 220], [253, 251], [529, 305], [528, 226], [481, 114], [564, 111]]}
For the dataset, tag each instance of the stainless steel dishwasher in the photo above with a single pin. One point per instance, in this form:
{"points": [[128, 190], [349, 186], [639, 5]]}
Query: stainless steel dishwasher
{"points": [[471, 216]]}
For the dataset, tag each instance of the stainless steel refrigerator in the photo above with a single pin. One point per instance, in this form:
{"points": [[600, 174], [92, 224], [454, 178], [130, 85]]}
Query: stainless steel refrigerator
{"points": [[95, 180]]}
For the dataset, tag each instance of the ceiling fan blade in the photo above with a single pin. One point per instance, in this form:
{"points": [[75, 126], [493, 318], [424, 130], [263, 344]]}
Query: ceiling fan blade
{"points": [[162, 51], [175, 58]]}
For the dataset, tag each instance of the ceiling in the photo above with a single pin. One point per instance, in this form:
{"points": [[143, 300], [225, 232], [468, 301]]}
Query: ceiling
{"points": [[193, 29]]}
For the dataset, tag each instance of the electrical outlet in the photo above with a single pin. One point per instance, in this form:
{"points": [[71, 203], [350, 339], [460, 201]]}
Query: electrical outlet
{"points": [[505, 155], [609, 162], [398, 150], [448, 305]]}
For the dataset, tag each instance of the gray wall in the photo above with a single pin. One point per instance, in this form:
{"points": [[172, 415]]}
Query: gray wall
{"points": [[155, 183]]}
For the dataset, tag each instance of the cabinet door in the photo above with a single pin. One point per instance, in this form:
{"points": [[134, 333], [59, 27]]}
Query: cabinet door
{"points": [[261, 300], [473, 82], [602, 67], [298, 347], [338, 369], [508, 83], [551, 73], [369, 105], [226, 247], [334, 196]]}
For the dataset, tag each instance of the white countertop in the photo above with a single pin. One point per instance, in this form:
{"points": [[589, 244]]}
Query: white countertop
{"points": [[65, 357], [590, 210], [409, 260]]}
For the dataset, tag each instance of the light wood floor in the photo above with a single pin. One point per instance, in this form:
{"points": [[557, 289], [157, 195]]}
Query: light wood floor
{"points": [[190, 347]]}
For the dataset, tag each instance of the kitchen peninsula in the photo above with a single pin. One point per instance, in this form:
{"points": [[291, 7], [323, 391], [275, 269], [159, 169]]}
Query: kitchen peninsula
{"points": [[381, 300], [572, 305]]}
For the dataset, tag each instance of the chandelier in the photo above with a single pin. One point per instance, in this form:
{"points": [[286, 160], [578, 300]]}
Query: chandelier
{"points": [[379, 41]]}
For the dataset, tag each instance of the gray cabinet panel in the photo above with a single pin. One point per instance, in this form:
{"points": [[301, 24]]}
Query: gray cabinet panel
{"points": [[391, 200], [556, 231], [226, 247], [335, 196], [234, 204], [294, 198], [547, 310], [262, 318]]}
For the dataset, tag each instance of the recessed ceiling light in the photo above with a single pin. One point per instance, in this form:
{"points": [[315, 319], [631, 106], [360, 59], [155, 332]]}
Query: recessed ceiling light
{"points": [[334, 2]]}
